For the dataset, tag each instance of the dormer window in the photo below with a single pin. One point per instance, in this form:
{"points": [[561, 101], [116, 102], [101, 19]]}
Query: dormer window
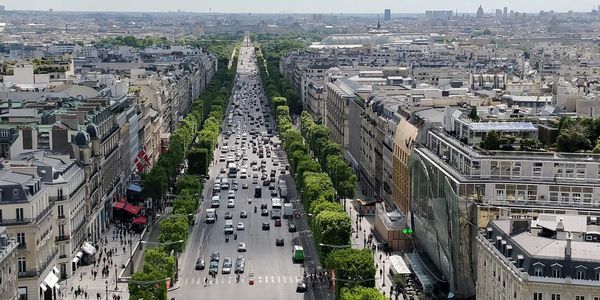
{"points": [[15, 193], [580, 272], [556, 271]]}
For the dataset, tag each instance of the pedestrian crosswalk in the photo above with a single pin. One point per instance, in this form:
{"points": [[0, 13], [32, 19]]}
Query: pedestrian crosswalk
{"points": [[230, 279]]}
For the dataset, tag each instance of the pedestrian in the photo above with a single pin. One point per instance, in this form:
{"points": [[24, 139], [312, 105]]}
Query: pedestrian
{"points": [[98, 296], [379, 256], [205, 281], [85, 294], [380, 272], [81, 276]]}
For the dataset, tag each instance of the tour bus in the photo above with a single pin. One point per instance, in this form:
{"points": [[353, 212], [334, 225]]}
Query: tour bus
{"points": [[276, 208]]}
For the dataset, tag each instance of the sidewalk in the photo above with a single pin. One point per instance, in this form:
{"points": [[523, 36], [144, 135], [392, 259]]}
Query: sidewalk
{"points": [[359, 241], [84, 279]]}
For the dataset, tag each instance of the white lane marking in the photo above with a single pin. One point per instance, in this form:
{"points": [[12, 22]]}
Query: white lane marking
{"points": [[278, 279], [273, 279], [284, 279], [198, 281]]}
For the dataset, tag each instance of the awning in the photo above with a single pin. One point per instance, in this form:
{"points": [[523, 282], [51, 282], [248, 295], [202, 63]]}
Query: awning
{"points": [[79, 254], [88, 248], [51, 280], [398, 265], [140, 220], [134, 188], [123, 199], [132, 209], [119, 205], [43, 287]]}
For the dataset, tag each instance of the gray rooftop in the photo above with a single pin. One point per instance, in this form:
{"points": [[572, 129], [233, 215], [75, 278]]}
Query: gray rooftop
{"points": [[502, 126]]}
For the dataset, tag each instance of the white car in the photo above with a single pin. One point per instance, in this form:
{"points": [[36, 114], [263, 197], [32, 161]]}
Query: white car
{"points": [[231, 203], [240, 226], [241, 247]]}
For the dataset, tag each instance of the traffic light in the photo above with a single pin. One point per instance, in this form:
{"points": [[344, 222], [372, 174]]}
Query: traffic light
{"points": [[407, 231]]}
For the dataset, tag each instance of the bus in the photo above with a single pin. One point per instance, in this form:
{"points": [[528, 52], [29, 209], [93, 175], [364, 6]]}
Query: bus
{"points": [[276, 208]]}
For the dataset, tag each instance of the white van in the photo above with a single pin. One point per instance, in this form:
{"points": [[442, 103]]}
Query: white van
{"points": [[243, 174], [224, 149], [211, 215], [215, 202], [228, 227]]}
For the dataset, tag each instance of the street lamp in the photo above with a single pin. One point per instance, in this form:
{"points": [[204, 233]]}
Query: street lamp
{"points": [[383, 275], [116, 280], [106, 283]]}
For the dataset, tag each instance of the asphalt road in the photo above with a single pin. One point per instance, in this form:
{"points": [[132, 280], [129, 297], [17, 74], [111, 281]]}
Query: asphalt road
{"points": [[275, 275]]}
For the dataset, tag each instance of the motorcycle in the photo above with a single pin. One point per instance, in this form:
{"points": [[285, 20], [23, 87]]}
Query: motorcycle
{"points": [[255, 209], [226, 238], [235, 236]]}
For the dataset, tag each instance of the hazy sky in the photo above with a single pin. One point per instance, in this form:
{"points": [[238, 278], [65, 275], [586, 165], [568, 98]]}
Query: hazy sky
{"points": [[321, 6]]}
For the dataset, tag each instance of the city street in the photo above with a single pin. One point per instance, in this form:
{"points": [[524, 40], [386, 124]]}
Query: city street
{"points": [[275, 275]]}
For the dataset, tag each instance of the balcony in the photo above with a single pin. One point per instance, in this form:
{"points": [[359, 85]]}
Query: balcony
{"points": [[35, 273], [8, 222], [61, 217], [27, 274], [62, 238], [57, 198], [21, 245]]}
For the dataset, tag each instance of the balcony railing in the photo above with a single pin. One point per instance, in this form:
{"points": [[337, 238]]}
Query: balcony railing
{"points": [[61, 238], [57, 198], [27, 274]]}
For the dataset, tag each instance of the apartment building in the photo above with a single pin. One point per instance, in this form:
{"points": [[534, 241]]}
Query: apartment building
{"points": [[27, 213], [8, 265], [551, 257]]}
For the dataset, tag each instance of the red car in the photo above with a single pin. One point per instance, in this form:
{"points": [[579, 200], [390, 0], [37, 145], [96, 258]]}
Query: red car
{"points": [[278, 223]]}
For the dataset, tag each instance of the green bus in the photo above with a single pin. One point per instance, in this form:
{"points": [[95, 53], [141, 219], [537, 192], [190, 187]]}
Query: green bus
{"points": [[298, 256]]}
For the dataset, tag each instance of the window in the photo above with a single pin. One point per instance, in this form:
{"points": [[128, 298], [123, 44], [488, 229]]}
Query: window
{"points": [[21, 264], [61, 230], [555, 297], [0, 216], [61, 210], [22, 293], [598, 275], [21, 239], [537, 296], [538, 272], [556, 273], [580, 274], [20, 214], [579, 297]]}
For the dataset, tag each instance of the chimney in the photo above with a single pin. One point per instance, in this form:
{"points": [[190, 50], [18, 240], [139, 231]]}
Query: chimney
{"points": [[568, 250]]}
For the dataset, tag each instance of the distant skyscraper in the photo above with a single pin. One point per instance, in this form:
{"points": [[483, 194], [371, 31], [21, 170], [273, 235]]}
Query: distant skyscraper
{"points": [[498, 13], [387, 14], [480, 12], [505, 11], [2, 8]]}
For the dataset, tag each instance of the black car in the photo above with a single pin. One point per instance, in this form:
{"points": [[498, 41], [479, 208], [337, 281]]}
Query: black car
{"points": [[279, 242], [266, 182], [243, 214], [200, 264], [264, 212], [266, 226], [291, 227], [263, 206], [228, 215], [273, 193]]}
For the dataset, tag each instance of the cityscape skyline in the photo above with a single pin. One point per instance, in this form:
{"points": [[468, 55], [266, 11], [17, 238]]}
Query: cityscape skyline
{"points": [[309, 6]]}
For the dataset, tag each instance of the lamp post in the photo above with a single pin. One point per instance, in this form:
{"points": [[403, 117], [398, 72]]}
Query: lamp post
{"points": [[116, 279], [131, 257], [106, 283], [383, 274]]}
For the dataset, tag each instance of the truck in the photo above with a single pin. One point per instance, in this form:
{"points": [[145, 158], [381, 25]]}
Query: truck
{"points": [[211, 215], [288, 210]]}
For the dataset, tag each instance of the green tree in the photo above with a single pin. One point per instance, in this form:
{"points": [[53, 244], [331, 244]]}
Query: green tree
{"points": [[148, 286], [342, 176], [356, 266], [198, 161], [155, 183], [316, 185], [361, 293], [572, 141], [473, 114], [491, 141], [156, 260], [529, 144], [332, 228], [173, 229], [321, 205], [189, 182]]}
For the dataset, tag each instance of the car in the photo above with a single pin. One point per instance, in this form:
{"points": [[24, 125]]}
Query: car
{"points": [[226, 269], [272, 184], [266, 226], [291, 227], [231, 195], [234, 186], [228, 215], [264, 212], [279, 242], [266, 182], [240, 265], [213, 268], [273, 193], [244, 186], [223, 171], [230, 203], [241, 247], [275, 162], [221, 158], [254, 180], [200, 265], [300, 287], [243, 214], [278, 223], [215, 256], [240, 226], [263, 206]]}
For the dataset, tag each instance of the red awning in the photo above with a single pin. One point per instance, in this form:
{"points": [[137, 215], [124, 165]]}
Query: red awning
{"points": [[119, 205], [140, 220], [122, 199], [132, 209]]}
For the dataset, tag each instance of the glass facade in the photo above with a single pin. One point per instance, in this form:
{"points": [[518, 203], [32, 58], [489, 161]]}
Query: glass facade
{"points": [[442, 221]]}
